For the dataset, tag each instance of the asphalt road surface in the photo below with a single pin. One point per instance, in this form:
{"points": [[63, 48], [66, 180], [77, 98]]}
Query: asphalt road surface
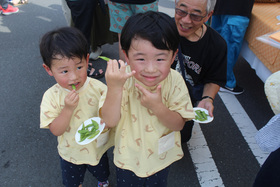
{"points": [[221, 153]]}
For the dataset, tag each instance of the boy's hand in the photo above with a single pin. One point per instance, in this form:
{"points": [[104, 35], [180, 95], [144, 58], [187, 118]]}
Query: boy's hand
{"points": [[71, 100], [115, 75], [149, 99]]}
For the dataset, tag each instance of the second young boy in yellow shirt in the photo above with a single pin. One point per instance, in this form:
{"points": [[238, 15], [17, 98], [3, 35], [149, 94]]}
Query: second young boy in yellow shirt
{"points": [[146, 101]]}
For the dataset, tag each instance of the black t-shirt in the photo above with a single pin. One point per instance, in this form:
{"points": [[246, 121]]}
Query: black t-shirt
{"points": [[205, 61], [139, 2]]}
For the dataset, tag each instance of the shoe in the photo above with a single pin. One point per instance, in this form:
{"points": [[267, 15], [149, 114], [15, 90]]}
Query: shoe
{"points": [[103, 184], [92, 72], [237, 90], [9, 10], [95, 54]]}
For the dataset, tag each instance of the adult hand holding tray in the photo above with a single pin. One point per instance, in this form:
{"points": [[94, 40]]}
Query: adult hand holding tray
{"points": [[202, 119]]}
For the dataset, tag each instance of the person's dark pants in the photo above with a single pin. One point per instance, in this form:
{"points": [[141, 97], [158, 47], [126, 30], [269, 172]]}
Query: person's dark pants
{"points": [[126, 178], [82, 15], [186, 132], [73, 175], [269, 174]]}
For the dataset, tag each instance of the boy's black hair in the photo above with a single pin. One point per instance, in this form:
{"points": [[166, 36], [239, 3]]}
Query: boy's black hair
{"points": [[156, 27], [66, 42]]}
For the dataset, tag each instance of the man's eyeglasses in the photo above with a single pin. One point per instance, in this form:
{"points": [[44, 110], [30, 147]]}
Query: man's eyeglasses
{"points": [[193, 17]]}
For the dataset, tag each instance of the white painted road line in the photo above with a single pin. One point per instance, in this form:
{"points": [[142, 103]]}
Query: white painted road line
{"points": [[244, 123], [206, 169]]}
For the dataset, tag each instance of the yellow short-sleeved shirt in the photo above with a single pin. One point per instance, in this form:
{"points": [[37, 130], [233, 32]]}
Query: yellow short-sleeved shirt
{"points": [[51, 106], [139, 130]]}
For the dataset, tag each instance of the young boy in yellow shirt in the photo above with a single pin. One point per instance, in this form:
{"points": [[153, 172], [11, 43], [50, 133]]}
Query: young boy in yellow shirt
{"points": [[67, 104], [147, 101]]}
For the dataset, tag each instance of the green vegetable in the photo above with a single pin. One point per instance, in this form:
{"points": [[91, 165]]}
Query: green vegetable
{"points": [[73, 87], [89, 131], [201, 115], [94, 134], [104, 58]]}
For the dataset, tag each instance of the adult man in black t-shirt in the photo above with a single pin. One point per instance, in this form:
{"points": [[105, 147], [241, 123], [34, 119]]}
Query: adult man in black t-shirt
{"points": [[204, 55]]}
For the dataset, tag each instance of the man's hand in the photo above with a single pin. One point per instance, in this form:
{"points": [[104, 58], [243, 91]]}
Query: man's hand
{"points": [[208, 105]]}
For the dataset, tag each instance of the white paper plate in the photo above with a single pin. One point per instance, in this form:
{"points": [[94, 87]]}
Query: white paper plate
{"points": [[209, 119], [87, 122]]}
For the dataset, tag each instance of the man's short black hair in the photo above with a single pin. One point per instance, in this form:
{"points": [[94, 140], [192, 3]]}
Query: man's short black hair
{"points": [[156, 27], [66, 42]]}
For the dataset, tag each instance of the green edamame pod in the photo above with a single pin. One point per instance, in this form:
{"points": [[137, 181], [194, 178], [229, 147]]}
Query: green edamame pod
{"points": [[204, 115], [94, 134], [82, 131], [198, 112], [104, 58]]}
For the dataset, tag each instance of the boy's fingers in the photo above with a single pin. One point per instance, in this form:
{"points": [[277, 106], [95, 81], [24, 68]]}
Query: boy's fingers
{"points": [[109, 65], [121, 63], [143, 90], [115, 66], [159, 89], [131, 74]]}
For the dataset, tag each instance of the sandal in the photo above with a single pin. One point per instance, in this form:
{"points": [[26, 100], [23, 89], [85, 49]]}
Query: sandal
{"points": [[91, 72]]}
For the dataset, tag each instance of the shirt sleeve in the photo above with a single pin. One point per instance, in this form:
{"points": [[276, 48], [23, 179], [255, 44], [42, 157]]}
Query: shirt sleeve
{"points": [[179, 100], [49, 109]]}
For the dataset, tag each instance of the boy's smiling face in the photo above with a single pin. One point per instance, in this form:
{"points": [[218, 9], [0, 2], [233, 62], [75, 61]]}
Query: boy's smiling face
{"points": [[152, 65], [69, 71]]}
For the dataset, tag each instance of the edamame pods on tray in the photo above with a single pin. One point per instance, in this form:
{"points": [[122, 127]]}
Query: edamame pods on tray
{"points": [[200, 115], [89, 131]]}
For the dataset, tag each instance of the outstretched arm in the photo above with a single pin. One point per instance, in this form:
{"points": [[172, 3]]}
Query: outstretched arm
{"points": [[115, 79], [153, 101]]}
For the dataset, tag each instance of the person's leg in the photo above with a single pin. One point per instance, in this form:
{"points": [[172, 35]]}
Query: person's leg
{"points": [[4, 4], [159, 179], [101, 171], [82, 15], [119, 13], [126, 178], [145, 7], [233, 32], [66, 12], [72, 175], [269, 172], [6, 8], [232, 28]]}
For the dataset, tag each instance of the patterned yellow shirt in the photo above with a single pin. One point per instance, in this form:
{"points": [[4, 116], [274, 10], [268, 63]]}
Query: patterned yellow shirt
{"points": [[138, 143], [51, 106]]}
